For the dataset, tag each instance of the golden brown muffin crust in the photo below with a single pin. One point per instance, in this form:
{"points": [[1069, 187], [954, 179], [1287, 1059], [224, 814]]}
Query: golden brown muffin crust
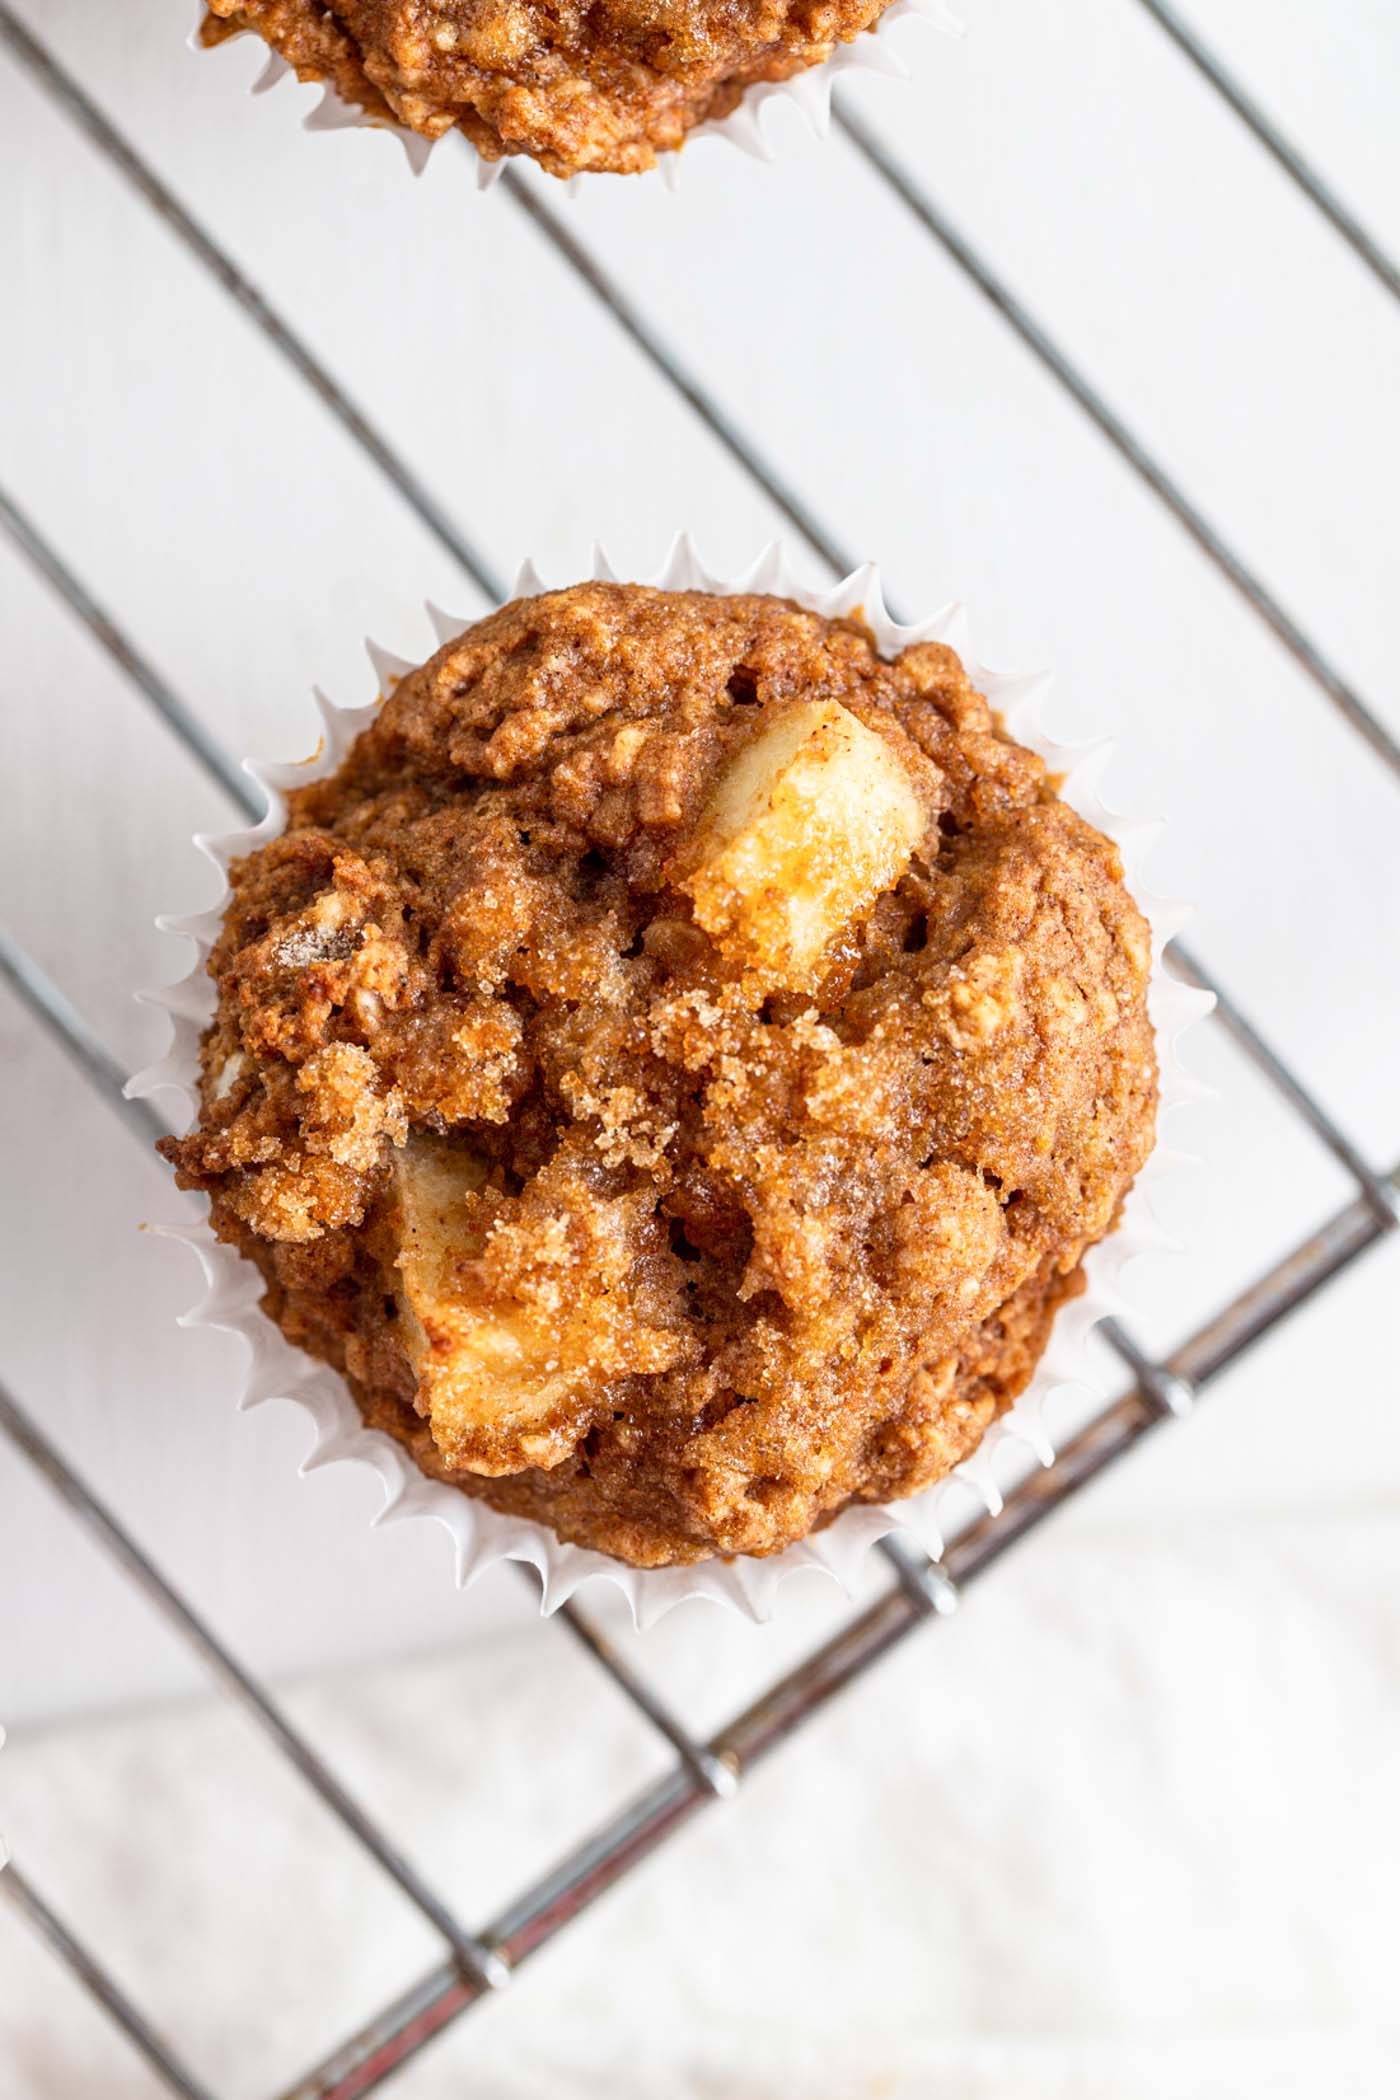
{"points": [[789, 1248], [576, 86]]}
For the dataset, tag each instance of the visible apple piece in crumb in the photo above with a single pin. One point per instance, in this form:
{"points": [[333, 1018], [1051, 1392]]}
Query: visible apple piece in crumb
{"points": [[510, 1372], [813, 819], [486, 1372]]}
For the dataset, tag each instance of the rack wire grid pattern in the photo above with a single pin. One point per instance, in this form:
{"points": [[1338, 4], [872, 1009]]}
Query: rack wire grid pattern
{"points": [[477, 1962]]}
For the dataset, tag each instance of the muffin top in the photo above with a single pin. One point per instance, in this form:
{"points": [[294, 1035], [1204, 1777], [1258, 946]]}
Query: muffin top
{"points": [[604, 86], [656, 1058]]}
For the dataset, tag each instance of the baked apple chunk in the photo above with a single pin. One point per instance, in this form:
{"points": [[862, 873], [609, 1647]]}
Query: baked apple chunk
{"points": [[487, 1374], [813, 819], [516, 1312]]}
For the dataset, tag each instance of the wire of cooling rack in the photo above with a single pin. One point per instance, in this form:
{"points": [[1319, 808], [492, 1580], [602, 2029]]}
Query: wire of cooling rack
{"points": [[1274, 142], [478, 1961]]}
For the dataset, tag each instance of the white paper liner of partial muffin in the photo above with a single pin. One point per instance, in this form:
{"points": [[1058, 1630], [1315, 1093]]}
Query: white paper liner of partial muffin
{"points": [[482, 1536], [880, 49]]}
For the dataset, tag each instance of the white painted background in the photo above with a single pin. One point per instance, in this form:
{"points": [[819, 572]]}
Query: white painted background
{"points": [[1220, 1616]]}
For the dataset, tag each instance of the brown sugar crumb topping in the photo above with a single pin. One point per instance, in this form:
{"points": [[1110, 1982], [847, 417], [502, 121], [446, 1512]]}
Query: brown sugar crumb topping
{"points": [[605, 86], [675, 1066]]}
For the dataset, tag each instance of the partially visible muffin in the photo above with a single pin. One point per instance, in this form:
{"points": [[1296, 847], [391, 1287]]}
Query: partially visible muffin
{"points": [[675, 1066], [606, 86]]}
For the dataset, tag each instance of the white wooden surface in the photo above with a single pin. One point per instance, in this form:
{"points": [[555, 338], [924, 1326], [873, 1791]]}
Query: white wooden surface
{"points": [[213, 505]]}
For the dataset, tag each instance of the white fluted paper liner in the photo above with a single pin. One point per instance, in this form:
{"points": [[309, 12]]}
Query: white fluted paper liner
{"points": [[879, 50], [482, 1536]]}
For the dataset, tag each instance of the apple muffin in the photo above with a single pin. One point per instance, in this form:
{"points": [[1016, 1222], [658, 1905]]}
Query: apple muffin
{"points": [[675, 1065], [605, 86]]}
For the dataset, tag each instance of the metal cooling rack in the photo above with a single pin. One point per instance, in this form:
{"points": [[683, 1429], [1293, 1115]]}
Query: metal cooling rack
{"points": [[480, 1961]]}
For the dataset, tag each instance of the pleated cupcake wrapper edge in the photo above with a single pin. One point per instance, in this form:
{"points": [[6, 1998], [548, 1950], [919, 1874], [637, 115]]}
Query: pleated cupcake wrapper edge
{"points": [[482, 1537], [876, 51]]}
